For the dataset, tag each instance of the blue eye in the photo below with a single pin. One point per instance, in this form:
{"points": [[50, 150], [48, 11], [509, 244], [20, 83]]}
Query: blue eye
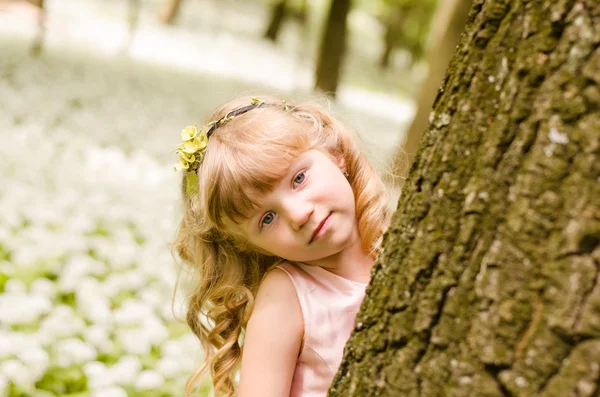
{"points": [[267, 219], [299, 178]]}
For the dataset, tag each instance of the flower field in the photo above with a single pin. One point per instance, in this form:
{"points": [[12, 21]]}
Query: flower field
{"points": [[86, 274]]}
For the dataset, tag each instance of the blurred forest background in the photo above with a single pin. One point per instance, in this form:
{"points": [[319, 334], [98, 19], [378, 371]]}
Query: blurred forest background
{"points": [[93, 94]]}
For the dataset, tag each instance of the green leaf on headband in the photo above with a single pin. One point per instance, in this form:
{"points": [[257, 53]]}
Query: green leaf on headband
{"points": [[191, 183]]}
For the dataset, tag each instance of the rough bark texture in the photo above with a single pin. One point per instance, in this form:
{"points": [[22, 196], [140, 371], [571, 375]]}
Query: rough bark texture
{"points": [[489, 282], [333, 47]]}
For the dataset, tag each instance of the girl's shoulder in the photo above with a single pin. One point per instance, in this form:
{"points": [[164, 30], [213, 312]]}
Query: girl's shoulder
{"points": [[277, 283], [279, 287], [268, 350], [276, 299]]}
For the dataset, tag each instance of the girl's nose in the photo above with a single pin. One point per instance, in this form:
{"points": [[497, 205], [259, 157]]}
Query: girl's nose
{"points": [[298, 212]]}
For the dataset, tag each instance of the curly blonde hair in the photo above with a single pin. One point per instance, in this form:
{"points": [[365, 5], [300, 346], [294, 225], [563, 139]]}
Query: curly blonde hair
{"points": [[244, 159]]}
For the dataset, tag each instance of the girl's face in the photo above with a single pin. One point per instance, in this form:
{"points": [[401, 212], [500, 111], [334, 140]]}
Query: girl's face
{"points": [[309, 215]]}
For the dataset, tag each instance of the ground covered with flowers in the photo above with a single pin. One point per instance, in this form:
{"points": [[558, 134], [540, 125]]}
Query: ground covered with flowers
{"points": [[88, 204]]}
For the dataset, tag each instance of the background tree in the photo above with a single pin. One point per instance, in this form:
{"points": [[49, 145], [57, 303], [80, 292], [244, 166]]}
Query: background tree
{"points": [[282, 10], [489, 281], [38, 41], [170, 11], [448, 24], [333, 47], [407, 23], [278, 10], [133, 17]]}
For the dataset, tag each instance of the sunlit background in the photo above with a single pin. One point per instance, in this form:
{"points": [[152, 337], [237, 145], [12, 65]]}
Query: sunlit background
{"points": [[93, 96]]}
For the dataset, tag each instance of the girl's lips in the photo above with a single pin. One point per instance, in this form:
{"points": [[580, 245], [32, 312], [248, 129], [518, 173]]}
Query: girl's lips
{"points": [[321, 229]]}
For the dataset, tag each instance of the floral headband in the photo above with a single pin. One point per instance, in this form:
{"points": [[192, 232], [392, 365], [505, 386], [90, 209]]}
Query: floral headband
{"points": [[191, 150]]}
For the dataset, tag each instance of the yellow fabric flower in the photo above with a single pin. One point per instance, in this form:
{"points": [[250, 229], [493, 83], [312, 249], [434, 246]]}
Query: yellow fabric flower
{"points": [[191, 150], [182, 165], [189, 133]]}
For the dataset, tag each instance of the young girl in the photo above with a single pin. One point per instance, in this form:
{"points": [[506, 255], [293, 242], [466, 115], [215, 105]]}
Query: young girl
{"points": [[283, 219]]}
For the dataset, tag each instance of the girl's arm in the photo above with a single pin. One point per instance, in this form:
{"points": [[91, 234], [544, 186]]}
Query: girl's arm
{"points": [[272, 341]]}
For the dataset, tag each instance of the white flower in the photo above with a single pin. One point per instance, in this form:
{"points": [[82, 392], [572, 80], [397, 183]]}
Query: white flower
{"points": [[98, 374], [74, 271], [15, 286], [152, 296], [134, 341], [149, 380], [168, 367], [12, 343], [97, 335], [90, 301], [80, 223], [126, 370], [23, 256], [3, 385], [134, 280], [155, 329], [44, 287], [36, 359], [132, 312], [113, 391], [22, 308], [62, 322], [186, 350], [112, 285], [16, 371], [122, 255], [73, 352]]}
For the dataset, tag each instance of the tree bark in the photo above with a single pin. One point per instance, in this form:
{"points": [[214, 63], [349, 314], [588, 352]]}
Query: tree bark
{"points": [[448, 24], [333, 46], [489, 280]]}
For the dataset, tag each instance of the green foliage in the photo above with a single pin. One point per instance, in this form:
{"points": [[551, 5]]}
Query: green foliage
{"points": [[67, 298], [111, 357], [3, 279], [164, 391], [407, 22], [43, 268], [100, 230], [122, 296], [149, 360], [63, 381], [4, 253]]}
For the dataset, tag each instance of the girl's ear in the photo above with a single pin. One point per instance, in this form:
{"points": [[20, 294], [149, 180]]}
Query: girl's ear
{"points": [[342, 164]]}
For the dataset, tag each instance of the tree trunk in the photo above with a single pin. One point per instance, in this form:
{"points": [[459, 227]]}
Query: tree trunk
{"points": [[393, 29], [38, 42], [277, 16], [132, 20], [448, 24], [489, 281], [170, 11], [333, 46]]}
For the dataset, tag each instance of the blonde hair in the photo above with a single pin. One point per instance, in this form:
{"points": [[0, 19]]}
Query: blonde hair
{"points": [[244, 159]]}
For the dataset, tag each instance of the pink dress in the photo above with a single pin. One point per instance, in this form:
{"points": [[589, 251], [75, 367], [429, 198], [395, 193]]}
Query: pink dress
{"points": [[329, 305]]}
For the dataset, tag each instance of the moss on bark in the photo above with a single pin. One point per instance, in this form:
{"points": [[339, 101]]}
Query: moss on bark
{"points": [[489, 281]]}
